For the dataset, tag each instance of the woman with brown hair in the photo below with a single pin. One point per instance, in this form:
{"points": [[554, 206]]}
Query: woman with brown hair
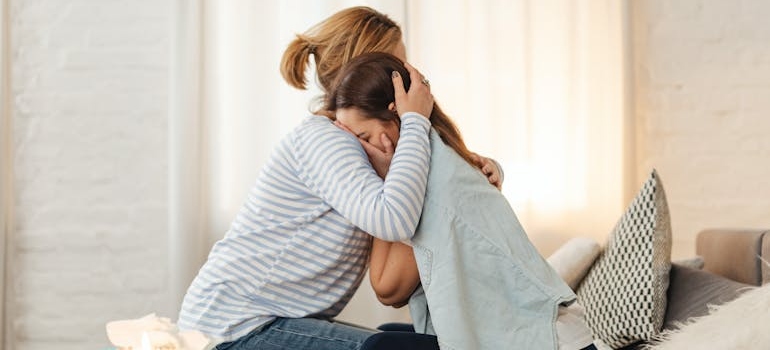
{"points": [[362, 102]]}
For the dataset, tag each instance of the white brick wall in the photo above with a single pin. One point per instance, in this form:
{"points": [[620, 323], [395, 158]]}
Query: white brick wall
{"points": [[702, 70], [5, 164], [89, 85]]}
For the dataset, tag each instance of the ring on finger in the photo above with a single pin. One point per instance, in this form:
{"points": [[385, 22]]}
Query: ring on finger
{"points": [[426, 82]]}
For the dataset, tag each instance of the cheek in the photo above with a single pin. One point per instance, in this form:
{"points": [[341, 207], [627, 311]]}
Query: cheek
{"points": [[394, 134]]}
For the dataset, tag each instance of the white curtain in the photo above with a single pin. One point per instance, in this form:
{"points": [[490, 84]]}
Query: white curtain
{"points": [[540, 86], [6, 172], [537, 85]]}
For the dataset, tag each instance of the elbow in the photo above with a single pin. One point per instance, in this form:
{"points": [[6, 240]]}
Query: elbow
{"points": [[395, 303], [384, 291], [399, 223], [393, 300], [403, 234], [389, 294], [396, 235]]}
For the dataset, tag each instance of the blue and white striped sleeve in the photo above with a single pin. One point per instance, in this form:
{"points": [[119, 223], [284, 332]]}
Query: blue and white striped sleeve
{"points": [[333, 164]]}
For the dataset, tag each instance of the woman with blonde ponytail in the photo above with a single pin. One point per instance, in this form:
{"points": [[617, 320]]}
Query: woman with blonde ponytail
{"points": [[299, 247]]}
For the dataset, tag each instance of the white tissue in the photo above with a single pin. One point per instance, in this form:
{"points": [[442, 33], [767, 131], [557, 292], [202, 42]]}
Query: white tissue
{"points": [[151, 332]]}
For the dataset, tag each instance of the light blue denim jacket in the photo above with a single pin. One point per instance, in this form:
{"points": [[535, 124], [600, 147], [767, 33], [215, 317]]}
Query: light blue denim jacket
{"points": [[485, 284]]}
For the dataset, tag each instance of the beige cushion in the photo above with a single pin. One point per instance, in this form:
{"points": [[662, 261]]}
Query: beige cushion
{"points": [[573, 259]]}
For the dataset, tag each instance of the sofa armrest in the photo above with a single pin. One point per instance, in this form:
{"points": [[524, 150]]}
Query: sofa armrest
{"points": [[735, 254]]}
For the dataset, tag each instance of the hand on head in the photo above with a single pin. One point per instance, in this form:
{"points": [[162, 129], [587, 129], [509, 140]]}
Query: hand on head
{"points": [[418, 98]]}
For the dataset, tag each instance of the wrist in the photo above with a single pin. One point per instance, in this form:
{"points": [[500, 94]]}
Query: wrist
{"points": [[410, 118]]}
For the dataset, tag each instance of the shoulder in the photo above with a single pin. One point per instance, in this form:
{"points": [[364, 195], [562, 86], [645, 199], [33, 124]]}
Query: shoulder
{"points": [[315, 121], [313, 125], [316, 131]]}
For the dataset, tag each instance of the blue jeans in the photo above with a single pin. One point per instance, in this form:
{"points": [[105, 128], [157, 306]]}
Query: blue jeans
{"points": [[300, 334], [317, 334], [397, 336]]}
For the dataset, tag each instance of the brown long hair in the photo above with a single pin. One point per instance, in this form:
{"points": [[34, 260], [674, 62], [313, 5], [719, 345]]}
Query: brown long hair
{"points": [[334, 41], [365, 83]]}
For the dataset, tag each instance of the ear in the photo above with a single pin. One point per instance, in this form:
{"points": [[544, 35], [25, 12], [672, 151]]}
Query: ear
{"points": [[392, 107]]}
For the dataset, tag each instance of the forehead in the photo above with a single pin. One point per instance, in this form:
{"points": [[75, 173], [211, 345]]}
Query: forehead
{"points": [[353, 117], [357, 121]]}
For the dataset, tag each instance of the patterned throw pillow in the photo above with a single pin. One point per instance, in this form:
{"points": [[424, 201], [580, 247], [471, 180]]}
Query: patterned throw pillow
{"points": [[624, 294]]}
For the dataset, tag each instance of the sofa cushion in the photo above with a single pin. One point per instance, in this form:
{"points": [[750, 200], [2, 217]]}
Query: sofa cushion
{"points": [[692, 291], [624, 294], [695, 262], [737, 324]]}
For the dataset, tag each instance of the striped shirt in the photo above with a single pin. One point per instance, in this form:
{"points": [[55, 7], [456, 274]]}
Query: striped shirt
{"points": [[299, 247]]}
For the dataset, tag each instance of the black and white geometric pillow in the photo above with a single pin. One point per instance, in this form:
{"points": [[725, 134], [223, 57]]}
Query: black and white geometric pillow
{"points": [[624, 294]]}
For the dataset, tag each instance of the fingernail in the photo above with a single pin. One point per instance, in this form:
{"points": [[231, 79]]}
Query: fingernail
{"points": [[395, 74]]}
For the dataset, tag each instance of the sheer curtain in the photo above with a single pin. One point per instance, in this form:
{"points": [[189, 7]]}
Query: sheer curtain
{"points": [[6, 172], [537, 85]]}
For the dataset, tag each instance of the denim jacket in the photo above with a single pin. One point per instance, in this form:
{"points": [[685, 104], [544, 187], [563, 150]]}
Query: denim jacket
{"points": [[485, 286]]}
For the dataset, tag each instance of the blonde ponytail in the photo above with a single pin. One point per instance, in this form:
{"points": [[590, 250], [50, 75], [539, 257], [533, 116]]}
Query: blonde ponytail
{"points": [[295, 61], [334, 41]]}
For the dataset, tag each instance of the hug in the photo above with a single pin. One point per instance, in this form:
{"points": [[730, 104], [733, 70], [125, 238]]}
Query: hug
{"points": [[377, 178]]}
